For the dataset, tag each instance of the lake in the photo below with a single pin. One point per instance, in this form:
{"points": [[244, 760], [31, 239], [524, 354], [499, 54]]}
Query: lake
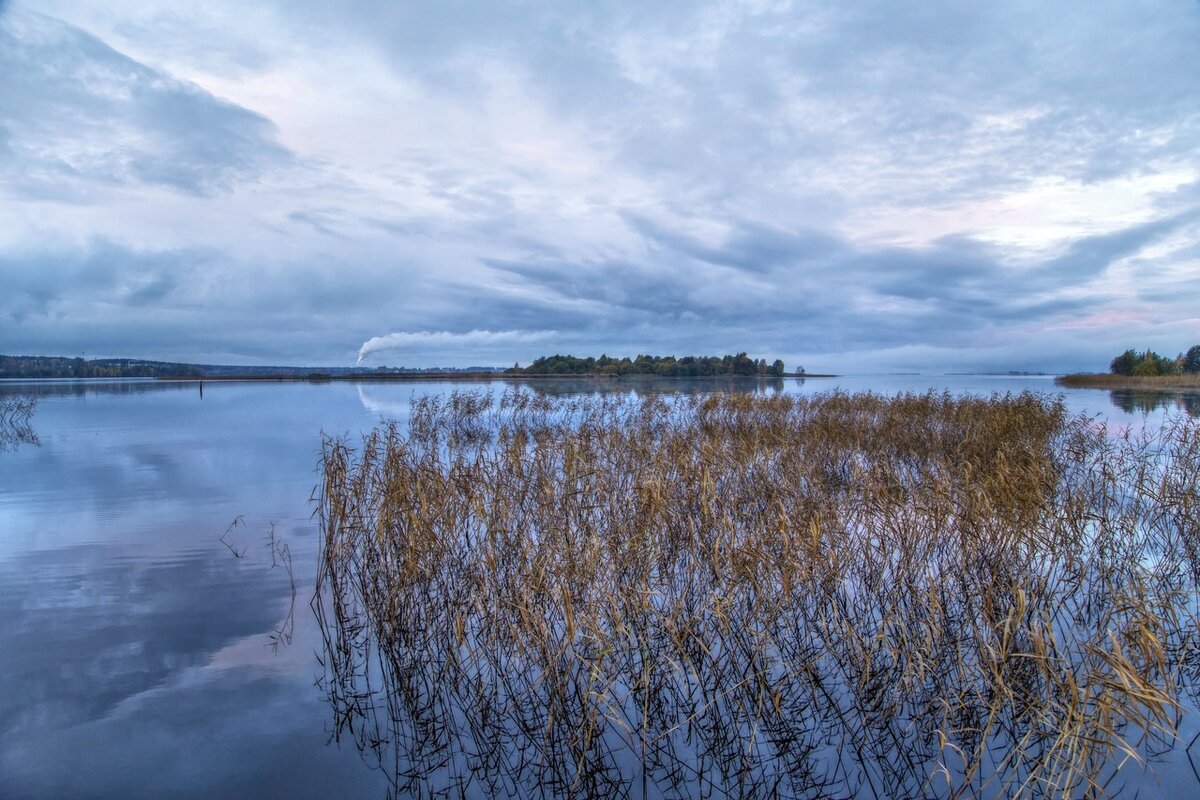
{"points": [[151, 642]]}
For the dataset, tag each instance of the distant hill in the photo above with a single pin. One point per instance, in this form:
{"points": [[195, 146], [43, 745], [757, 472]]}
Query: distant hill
{"points": [[60, 367]]}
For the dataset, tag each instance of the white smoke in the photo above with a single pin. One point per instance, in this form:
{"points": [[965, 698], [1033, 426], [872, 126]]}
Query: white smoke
{"points": [[423, 342]]}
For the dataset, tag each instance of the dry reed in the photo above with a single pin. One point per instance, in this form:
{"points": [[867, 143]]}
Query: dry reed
{"points": [[728, 595], [1104, 380]]}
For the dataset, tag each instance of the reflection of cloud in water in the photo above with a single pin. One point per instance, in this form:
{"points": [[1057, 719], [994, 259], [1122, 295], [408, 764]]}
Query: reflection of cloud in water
{"points": [[229, 733], [88, 628], [157, 678]]}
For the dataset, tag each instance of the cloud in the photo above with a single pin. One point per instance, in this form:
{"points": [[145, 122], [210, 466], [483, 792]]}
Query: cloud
{"points": [[180, 304], [107, 674], [1092, 255], [817, 180], [43, 281], [79, 115], [323, 222]]}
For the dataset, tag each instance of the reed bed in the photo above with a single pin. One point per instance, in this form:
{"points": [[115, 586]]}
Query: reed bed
{"points": [[1104, 380], [756, 596]]}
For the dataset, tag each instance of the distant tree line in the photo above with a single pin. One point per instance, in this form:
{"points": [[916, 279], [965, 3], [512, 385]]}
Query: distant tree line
{"points": [[57, 367], [1150, 363], [666, 366]]}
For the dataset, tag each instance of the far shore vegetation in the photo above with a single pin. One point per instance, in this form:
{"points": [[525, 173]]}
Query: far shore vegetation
{"points": [[733, 366], [1142, 370], [79, 367], [59, 367], [740, 365], [1108, 381]]}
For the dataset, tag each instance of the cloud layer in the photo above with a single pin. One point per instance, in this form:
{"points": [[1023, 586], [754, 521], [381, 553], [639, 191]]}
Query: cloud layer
{"points": [[848, 185]]}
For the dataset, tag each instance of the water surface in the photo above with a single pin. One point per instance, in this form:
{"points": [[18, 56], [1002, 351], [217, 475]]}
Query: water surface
{"points": [[139, 601]]}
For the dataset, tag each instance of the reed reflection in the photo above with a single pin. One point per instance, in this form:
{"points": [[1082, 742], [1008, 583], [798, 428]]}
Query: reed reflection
{"points": [[15, 427]]}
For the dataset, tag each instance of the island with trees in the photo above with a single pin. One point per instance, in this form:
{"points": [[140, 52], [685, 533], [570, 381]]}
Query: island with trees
{"points": [[1144, 369], [740, 365]]}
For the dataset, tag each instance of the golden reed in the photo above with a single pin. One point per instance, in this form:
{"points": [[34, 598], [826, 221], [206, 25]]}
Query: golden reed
{"points": [[760, 596]]}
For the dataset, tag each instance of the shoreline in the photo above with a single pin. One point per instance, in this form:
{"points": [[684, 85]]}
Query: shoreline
{"points": [[408, 377], [1100, 380]]}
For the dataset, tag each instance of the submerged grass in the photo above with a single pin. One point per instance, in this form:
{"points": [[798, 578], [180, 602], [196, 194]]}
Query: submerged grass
{"points": [[15, 427], [829, 596]]}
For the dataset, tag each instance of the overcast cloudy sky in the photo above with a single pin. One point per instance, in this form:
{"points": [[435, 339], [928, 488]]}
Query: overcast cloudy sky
{"points": [[847, 185]]}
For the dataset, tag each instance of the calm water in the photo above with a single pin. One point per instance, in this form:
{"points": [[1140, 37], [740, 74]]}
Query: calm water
{"points": [[136, 654]]}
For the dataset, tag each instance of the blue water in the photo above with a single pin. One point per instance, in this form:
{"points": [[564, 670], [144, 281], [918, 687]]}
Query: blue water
{"points": [[138, 600]]}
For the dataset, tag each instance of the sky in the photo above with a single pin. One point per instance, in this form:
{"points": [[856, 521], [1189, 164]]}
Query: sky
{"points": [[850, 186]]}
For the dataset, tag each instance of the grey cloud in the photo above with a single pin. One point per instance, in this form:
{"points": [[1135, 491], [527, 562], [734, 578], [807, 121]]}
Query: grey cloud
{"points": [[1186, 196], [1090, 256], [961, 273], [178, 32], [1181, 292], [831, 273], [37, 280], [400, 227], [607, 288], [824, 290], [323, 222], [152, 290], [783, 125], [79, 114], [750, 246], [186, 304]]}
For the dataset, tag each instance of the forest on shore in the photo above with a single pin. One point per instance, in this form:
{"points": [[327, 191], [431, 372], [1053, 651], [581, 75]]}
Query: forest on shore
{"points": [[664, 366], [1148, 363], [1142, 370], [62, 367]]}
